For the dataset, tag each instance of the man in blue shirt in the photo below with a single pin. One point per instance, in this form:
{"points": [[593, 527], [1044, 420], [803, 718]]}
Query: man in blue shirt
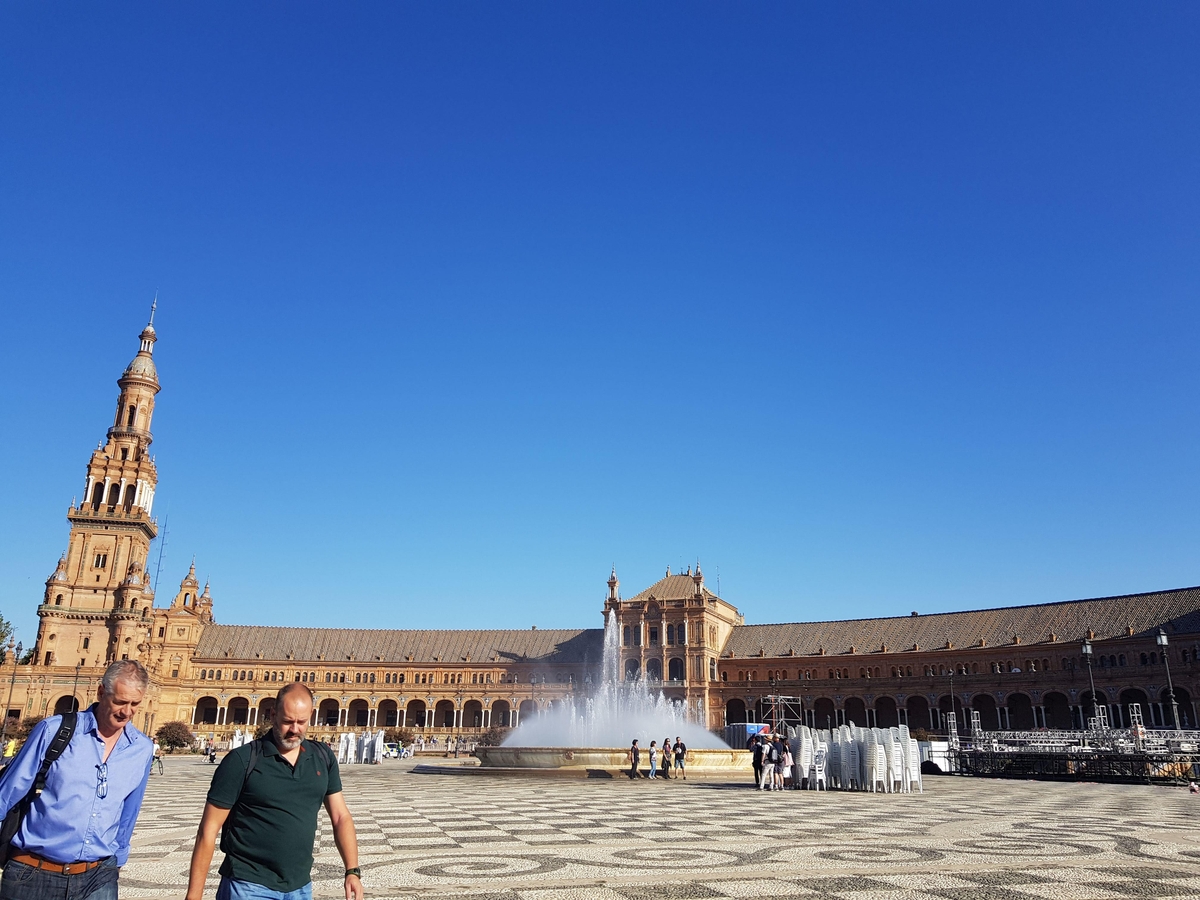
{"points": [[76, 836]]}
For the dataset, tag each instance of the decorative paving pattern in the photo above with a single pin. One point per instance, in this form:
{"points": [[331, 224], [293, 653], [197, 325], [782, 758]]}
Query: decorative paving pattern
{"points": [[542, 839]]}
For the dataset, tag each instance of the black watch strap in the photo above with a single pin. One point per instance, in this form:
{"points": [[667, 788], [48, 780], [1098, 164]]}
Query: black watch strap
{"points": [[355, 871]]}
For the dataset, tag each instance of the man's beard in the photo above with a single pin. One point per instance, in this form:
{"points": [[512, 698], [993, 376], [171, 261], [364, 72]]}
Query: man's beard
{"points": [[288, 743]]}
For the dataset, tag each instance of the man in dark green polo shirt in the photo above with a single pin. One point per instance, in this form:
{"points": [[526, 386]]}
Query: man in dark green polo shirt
{"points": [[270, 817]]}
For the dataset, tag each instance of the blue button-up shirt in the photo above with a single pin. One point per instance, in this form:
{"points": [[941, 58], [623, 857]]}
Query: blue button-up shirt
{"points": [[70, 821]]}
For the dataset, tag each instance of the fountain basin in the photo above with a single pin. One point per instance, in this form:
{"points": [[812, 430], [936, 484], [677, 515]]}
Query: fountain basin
{"points": [[607, 760]]}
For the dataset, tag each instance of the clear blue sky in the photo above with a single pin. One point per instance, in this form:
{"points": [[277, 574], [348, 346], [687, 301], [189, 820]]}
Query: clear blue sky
{"points": [[872, 307]]}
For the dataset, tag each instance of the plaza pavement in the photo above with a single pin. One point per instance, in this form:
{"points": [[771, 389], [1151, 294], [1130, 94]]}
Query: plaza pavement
{"points": [[520, 838]]}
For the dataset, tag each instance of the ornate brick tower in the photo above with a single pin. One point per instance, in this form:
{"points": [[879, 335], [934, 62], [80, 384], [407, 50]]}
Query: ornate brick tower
{"points": [[98, 602]]}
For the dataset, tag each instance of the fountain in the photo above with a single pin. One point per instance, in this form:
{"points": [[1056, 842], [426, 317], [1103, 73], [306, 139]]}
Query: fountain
{"points": [[591, 734]]}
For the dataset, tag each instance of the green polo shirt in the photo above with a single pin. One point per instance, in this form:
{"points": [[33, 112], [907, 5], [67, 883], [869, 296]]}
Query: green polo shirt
{"points": [[268, 837]]}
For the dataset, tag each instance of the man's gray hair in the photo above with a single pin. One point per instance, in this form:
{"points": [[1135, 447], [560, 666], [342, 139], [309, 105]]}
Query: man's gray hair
{"points": [[124, 670]]}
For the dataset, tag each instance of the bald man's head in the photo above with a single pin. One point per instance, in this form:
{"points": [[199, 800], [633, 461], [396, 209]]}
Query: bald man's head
{"points": [[293, 710]]}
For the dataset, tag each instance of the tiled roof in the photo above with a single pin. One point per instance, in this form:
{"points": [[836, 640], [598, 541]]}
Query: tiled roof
{"points": [[331, 645], [1176, 611], [672, 587]]}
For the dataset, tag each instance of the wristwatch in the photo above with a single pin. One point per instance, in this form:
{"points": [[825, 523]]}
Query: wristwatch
{"points": [[355, 871]]}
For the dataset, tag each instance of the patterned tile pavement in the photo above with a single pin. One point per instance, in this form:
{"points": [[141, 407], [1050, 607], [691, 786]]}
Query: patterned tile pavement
{"points": [[543, 839]]}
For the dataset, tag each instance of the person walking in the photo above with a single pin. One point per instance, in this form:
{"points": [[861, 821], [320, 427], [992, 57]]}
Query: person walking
{"points": [[653, 760], [264, 800], [635, 757], [158, 761], [680, 758], [76, 835]]}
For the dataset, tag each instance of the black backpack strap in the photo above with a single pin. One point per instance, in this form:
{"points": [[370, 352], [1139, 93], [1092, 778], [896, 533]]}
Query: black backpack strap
{"points": [[326, 754], [255, 753], [66, 730]]}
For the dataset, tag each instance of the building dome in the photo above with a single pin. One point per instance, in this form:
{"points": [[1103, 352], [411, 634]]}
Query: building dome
{"points": [[142, 366]]}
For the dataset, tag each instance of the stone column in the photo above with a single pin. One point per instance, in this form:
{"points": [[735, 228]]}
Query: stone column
{"points": [[403, 715], [221, 715]]}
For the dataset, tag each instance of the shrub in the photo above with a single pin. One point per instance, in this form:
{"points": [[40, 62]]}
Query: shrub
{"points": [[175, 736], [918, 734], [493, 737], [399, 736], [262, 730]]}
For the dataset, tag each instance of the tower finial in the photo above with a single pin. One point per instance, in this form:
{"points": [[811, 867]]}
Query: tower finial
{"points": [[153, 306]]}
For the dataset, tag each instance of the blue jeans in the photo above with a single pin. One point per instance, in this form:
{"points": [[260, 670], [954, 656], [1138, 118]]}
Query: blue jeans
{"points": [[22, 882], [232, 889]]}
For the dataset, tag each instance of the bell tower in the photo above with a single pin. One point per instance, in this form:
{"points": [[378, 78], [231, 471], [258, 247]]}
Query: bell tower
{"points": [[98, 601]]}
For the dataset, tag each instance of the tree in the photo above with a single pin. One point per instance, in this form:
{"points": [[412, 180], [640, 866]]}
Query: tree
{"points": [[26, 726], [6, 633], [262, 731], [175, 736]]}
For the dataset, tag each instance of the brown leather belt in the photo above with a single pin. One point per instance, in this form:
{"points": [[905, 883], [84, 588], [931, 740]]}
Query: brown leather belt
{"points": [[74, 868]]}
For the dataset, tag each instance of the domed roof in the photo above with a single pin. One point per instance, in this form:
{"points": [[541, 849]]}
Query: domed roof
{"points": [[142, 366]]}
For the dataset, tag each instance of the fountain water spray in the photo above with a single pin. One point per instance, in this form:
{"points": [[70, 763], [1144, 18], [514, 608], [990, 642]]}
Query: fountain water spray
{"points": [[611, 713]]}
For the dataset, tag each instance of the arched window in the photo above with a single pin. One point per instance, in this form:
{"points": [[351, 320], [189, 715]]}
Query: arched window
{"points": [[186, 598], [670, 635], [681, 633], [132, 416], [626, 632], [58, 600], [114, 495], [130, 490], [97, 496]]}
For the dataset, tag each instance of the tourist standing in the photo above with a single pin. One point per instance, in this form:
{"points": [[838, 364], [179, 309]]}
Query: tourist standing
{"points": [[756, 760], [789, 764], [635, 757], [264, 800], [76, 836], [767, 766], [680, 757], [666, 757], [653, 760], [780, 750]]}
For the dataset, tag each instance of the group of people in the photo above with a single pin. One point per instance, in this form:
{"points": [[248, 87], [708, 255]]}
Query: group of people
{"points": [[771, 757], [676, 751], [81, 777]]}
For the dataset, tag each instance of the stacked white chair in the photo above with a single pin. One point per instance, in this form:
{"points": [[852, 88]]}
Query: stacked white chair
{"points": [[816, 774]]}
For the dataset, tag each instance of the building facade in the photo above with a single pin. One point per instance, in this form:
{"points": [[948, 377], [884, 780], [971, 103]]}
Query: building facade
{"points": [[1018, 667]]}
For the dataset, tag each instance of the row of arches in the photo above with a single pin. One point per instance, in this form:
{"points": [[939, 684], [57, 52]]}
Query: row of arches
{"points": [[1018, 712], [330, 713]]}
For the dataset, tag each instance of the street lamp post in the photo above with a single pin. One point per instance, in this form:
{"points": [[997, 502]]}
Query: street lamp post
{"points": [[15, 656], [1162, 644], [1087, 655]]}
